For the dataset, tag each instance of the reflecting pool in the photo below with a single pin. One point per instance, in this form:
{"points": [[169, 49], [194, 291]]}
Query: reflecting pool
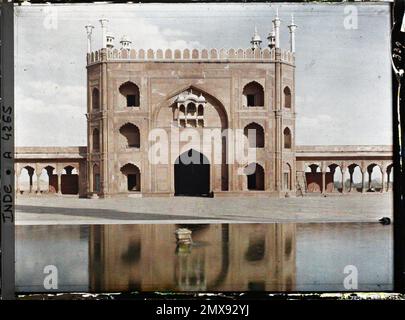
{"points": [[222, 257]]}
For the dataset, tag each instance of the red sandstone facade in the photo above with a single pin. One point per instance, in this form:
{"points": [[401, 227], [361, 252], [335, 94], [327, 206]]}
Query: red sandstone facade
{"points": [[242, 89], [133, 94]]}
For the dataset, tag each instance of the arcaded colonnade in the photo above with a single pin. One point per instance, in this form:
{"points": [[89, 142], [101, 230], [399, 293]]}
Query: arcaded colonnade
{"points": [[344, 169], [47, 170], [320, 169]]}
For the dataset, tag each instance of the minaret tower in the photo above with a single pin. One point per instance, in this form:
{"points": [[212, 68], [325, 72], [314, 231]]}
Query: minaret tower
{"points": [[103, 23], [107, 37], [292, 28], [256, 40], [276, 25], [89, 30]]}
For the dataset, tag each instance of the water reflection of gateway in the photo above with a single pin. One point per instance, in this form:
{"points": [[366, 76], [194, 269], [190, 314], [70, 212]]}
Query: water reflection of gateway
{"points": [[235, 257]]}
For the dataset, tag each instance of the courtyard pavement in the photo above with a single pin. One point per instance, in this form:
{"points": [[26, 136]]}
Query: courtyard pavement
{"points": [[72, 210]]}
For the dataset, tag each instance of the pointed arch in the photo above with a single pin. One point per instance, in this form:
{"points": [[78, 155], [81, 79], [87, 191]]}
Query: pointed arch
{"points": [[95, 99], [313, 177], [354, 183], [374, 177], [133, 177], [334, 178], [131, 94], [253, 95], [255, 176], [131, 135], [27, 179], [287, 97], [258, 133], [287, 138], [52, 179]]}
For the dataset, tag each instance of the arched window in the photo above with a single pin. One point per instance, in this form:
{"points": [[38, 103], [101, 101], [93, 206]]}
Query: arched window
{"points": [[131, 134], [287, 97], [200, 110], [95, 99], [191, 109], [131, 93], [287, 138], [182, 111], [258, 133], [253, 95], [96, 140], [255, 176], [191, 115], [133, 177]]}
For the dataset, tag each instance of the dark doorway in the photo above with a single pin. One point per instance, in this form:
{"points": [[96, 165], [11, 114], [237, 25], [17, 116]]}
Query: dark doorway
{"points": [[252, 182], [70, 184], [192, 175], [131, 182], [69, 181], [255, 176], [250, 100], [131, 100], [133, 177]]}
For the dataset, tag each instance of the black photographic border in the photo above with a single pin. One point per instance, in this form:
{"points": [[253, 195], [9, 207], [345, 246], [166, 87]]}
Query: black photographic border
{"points": [[7, 254], [7, 242]]}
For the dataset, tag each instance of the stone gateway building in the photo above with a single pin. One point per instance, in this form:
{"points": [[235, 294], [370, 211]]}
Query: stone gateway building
{"points": [[132, 92], [150, 111]]}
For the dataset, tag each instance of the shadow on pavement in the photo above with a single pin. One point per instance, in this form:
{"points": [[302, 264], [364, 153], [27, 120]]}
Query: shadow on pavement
{"points": [[106, 213]]}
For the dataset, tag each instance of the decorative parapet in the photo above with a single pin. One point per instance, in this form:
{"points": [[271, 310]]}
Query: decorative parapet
{"points": [[27, 153], [231, 55]]}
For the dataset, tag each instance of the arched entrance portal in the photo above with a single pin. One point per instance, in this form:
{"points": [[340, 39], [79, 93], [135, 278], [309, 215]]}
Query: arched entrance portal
{"points": [[192, 174]]}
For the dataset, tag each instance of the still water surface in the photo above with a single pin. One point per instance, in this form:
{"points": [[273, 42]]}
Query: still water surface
{"points": [[223, 257]]}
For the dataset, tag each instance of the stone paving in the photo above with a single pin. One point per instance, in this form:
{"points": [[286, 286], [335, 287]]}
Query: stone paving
{"points": [[72, 210]]}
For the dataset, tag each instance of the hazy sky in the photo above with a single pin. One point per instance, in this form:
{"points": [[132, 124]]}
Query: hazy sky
{"points": [[343, 76]]}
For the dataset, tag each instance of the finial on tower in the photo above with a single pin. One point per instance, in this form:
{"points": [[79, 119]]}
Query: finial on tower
{"points": [[292, 28], [125, 43], [103, 22], [276, 26], [272, 38], [256, 40], [89, 31]]}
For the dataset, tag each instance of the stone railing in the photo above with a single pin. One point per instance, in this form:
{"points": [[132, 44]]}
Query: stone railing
{"points": [[232, 55]]}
